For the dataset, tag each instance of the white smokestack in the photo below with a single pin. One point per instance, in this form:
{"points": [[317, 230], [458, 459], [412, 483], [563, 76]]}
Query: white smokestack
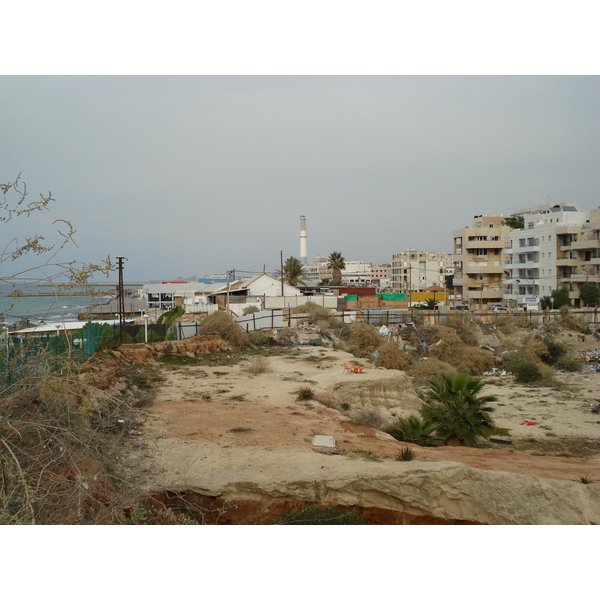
{"points": [[303, 255]]}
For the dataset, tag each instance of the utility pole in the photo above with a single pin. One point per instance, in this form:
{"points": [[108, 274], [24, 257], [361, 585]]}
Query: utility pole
{"points": [[281, 262], [121, 296], [227, 304]]}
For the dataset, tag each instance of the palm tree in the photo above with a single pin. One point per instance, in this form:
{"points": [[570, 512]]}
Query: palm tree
{"points": [[431, 303], [293, 270], [457, 411], [336, 263]]}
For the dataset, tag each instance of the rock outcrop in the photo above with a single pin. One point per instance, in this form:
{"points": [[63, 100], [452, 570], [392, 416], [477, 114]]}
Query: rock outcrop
{"points": [[437, 493], [193, 346], [383, 399]]}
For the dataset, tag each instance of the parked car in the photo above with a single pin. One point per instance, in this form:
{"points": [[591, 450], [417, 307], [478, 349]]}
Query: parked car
{"points": [[498, 308]]}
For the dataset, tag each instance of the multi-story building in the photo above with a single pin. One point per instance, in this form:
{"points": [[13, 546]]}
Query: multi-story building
{"points": [[356, 273], [558, 246], [414, 270], [316, 269], [479, 261], [380, 276]]}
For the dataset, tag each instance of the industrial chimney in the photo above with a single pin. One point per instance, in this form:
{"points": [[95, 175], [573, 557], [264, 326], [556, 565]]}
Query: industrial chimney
{"points": [[303, 256]]}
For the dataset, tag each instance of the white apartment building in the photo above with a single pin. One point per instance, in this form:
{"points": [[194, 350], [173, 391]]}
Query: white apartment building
{"points": [[414, 270], [479, 261], [558, 246]]}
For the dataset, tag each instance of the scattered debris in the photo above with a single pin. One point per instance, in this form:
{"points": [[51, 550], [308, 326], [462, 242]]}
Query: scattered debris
{"points": [[323, 440], [528, 423]]}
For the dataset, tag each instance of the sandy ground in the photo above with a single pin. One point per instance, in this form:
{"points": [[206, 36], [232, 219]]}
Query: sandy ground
{"points": [[213, 425]]}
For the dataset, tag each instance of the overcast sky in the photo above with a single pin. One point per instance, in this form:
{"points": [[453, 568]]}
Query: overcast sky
{"points": [[195, 175]]}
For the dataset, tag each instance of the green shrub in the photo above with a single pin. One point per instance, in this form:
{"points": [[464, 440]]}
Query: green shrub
{"points": [[526, 372], [168, 317], [554, 352], [249, 310]]}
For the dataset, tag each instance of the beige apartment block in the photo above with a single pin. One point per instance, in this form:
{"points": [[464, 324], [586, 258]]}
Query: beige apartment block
{"points": [[414, 270], [479, 261]]}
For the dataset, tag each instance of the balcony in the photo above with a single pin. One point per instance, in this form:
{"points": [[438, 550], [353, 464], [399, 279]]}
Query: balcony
{"points": [[568, 262], [586, 245], [485, 269], [500, 244]]}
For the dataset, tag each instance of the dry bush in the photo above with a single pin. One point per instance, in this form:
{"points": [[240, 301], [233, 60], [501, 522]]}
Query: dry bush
{"points": [[574, 323], [222, 324], [61, 436], [475, 361], [258, 365], [362, 339], [451, 347], [432, 367], [313, 312], [391, 357], [504, 323], [467, 330], [368, 417]]}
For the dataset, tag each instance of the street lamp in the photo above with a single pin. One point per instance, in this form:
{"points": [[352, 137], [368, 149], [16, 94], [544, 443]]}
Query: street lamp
{"points": [[145, 317]]}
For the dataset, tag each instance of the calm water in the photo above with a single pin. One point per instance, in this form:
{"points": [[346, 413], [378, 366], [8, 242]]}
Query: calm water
{"points": [[46, 308]]}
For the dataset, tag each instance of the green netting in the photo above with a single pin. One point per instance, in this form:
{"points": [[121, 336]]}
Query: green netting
{"points": [[391, 296], [351, 297]]}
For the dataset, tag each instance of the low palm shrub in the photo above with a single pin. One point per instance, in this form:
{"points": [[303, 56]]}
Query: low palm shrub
{"points": [[414, 430], [456, 410]]}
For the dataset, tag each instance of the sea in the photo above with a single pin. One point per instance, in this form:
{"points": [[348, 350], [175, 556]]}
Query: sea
{"points": [[46, 309]]}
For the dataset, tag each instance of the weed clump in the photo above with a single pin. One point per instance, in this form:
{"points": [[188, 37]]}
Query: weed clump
{"points": [[305, 393], [259, 365], [406, 454]]}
